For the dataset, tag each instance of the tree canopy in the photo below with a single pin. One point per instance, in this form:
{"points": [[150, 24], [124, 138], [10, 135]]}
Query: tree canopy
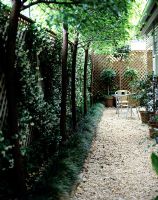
{"points": [[107, 25]]}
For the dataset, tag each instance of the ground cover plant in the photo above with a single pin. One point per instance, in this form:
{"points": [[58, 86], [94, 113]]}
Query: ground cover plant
{"points": [[62, 174]]}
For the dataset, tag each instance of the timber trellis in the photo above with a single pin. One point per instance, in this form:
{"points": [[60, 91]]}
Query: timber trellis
{"points": [[3, 101], [3, 98], [139, 60]]}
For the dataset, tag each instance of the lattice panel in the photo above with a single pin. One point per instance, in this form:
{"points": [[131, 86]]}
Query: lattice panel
{"points": [[149, 61], [139, 60], [3, 101]]}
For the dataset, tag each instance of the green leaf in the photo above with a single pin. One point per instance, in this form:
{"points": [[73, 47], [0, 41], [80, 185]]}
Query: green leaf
{"points": [[154, 160]]}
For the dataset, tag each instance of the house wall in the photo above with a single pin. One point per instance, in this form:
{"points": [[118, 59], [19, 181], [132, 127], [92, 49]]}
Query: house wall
{"points": [[152, 44]]}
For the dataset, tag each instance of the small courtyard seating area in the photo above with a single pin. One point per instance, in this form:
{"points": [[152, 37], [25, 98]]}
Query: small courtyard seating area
{"points": [[125, 99]]}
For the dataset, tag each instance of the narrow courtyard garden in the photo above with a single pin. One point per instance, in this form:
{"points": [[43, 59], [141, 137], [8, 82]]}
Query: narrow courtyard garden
{"points": [[78, 100]]}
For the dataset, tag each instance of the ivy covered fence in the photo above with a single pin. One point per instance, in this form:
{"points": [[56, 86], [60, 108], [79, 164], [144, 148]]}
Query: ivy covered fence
{"points": [[38, 93]]}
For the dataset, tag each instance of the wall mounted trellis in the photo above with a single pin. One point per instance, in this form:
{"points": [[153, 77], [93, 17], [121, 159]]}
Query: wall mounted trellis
{"points": [[139, 60], [3, 101], [3, 98]]}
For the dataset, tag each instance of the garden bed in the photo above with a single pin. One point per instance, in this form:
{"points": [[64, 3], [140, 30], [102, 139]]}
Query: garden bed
{"points": [[62, 174]]}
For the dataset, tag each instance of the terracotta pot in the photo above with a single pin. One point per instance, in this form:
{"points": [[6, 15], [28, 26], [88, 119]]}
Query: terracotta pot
{"points": [[144, 116], [109, 102], [153, 132], [153, 124], [153, 118]]}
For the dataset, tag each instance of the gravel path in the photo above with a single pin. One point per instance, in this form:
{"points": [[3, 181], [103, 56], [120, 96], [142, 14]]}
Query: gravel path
{"points": [[119, 167]]}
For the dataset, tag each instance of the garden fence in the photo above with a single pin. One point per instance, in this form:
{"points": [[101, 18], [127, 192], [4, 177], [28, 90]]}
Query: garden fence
{"points": [[3, 101], [139, 60], [25, 21]]}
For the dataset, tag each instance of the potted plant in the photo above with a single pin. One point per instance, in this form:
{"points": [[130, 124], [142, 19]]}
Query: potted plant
{"points": [[153, 121], [148, 97], [153, 132], [107, 76], [153, 125], [132, 76], [143, 90]]}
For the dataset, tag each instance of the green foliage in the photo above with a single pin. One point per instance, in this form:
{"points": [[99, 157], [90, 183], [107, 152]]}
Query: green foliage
{"points": [[122, 52], [79, 81], [107, 76], [154, 160], [142, 88], [69, 71], [38, 115], [38, 73], [6, 159], [5, 154], [89, 74], [105, 24], [62, 174], [131, 74]]}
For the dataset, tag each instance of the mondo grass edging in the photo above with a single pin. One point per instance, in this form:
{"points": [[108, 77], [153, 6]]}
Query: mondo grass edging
{"points": [[63, 173]]}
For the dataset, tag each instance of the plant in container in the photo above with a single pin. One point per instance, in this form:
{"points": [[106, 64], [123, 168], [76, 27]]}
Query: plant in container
{"points": [[144, 95], [107, 76], [153, 124], [153, 121], [153, 132], [131, 75]]}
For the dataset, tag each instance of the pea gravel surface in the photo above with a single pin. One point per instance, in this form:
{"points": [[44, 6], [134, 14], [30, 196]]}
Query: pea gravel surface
{"points": [[118, 166]]}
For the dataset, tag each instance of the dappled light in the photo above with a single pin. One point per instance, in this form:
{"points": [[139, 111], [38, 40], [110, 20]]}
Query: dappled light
{"points": [[78, 99]]}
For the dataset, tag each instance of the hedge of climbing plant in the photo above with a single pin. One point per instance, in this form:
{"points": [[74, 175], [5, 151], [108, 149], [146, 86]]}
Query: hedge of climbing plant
{"points": [[38, 95]]}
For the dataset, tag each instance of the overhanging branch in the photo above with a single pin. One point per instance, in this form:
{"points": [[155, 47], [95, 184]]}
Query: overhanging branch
{"points": [[48, 2]]}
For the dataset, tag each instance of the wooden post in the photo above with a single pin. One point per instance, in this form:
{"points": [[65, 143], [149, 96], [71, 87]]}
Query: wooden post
{"points": [[92, 69], [85, 81], [64, 83], [120, 72], [73, 80]]}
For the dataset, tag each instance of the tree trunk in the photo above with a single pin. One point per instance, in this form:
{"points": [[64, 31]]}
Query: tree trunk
{"points": [[108, 88], [73, 80], [85, 81], [120, 72], [64, 83], [18, 179], [91, 85]]}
